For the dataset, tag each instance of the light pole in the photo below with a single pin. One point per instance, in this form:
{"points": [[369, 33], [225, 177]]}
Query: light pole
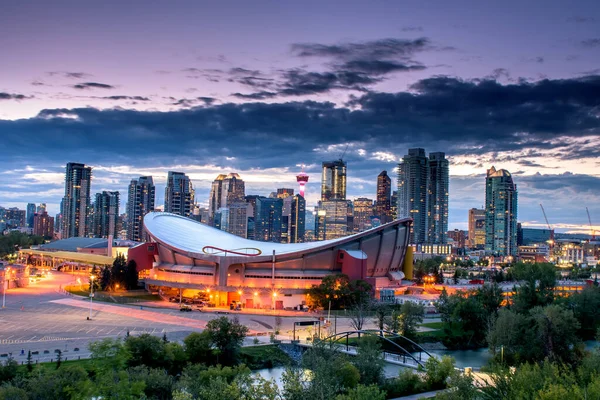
{"points": [[91, 294], [5, 285]]}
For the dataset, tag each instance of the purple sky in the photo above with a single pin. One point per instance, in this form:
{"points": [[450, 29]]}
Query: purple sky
{"points": [[259, 87]]}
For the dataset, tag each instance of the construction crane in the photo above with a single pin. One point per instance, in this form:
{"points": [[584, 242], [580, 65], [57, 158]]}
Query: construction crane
{"points": [[550, 228], [345, 150], [591, 226]]}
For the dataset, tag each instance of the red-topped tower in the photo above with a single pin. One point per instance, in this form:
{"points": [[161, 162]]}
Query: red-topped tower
{"points": [[302, 178]]}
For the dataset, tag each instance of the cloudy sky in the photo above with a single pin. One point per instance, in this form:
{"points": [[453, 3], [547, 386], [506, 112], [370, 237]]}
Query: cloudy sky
{"points": [[140, 88]]}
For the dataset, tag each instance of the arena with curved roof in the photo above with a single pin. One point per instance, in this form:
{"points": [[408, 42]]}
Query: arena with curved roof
{"points": [[193, 256]]}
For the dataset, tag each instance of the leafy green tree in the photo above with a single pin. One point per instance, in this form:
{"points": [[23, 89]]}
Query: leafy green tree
{"points": [[506, 337], [95, 281], [392, 321], [362, 392], [438, 371], [411, 314], [70, 382], [294, 383], [29, 361], [537, 282], [158, 384], [119, 385], [8, 370], [369, 360], [382, 312], [117, 273], [227, 336], [464, 318], [105, 278], [340, 291], [109, 354], [198, 347], [131, 275], [195, 379], [490, 296], [146, 350], [585, 306], [176, 357], [10, 392]]}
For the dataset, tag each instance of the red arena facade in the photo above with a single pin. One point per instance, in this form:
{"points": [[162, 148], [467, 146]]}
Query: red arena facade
{"points": [[191, 256]]}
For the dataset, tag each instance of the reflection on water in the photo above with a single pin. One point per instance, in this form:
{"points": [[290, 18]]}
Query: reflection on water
{"points": [[464, 358]]}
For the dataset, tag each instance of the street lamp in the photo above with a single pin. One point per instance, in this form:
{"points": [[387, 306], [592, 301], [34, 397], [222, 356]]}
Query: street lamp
{"points": [[5, 284], [91, 294], [274, 296]]}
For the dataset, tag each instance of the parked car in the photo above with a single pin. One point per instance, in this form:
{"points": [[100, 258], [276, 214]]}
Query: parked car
{"points": [[174, 299], [185, 309]]}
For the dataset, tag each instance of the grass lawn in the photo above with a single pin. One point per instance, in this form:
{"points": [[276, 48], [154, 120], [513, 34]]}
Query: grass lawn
{"points": [[433, 325], [122, 297]]}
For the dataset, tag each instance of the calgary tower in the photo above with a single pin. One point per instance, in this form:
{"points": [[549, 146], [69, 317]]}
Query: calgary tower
{"points": [[302, 178]]}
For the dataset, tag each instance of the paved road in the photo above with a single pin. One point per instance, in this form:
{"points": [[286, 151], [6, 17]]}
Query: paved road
{"points": [[42, 318]]}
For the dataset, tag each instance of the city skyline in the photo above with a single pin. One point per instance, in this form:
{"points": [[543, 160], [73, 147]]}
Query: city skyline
{"points": [[184, 94]]}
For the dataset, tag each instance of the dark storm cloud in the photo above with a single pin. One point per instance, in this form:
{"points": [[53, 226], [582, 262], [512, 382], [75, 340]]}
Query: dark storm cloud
{"points": [[70, 75], [372, 50], [192, 102], [92, 85], [380, 67], [137, 98], [256, 96], [484, 115], [13, 96], [591, 42], [412, 29]]}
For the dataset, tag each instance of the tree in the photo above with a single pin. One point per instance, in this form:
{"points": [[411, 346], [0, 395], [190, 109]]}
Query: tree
{"points": [[29, 362], [158, 384], [105, 278], [131, 275], [227, 336], [358, 315], [8, 370], [585, 306], [362, 392], [392, 321], [146, 350], [438, 371], [536, 287], [198, 347], [58, 359], [340, 291], [464, 318], [411, 314], [490, 296], [382, 311], [118, 271], [369, 360], [108, 354]]}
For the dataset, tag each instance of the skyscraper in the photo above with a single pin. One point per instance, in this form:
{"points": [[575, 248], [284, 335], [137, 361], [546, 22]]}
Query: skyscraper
{"points": [[413, 174], [363, 211], [225, 189], [283, 193], [267, 219], [30, 214], [106, 214], [423, 195], [394, 206], [384, 193], [41, 208], [297, 219], [476, 228], [43, 225], [437, 213], [76, 203], [500, 213], [179, 194], [140, 201], [334, 214], [234, 218], [333, 180]]}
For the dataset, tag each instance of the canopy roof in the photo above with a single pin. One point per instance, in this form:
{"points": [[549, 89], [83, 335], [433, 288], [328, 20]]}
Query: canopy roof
{"points": [[72, 256]]}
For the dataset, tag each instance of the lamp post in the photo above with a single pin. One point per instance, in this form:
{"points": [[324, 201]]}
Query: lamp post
{"points": [[274, 296], [5, 284], [91, 294]]}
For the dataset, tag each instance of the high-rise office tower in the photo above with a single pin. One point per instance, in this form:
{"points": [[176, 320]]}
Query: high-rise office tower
{"points": [[500, 213], [459, 238], [106, 214], [437, 214], [363, 211], [43, 225], [413, 174], [394, 205], [297, 219], [179, 194], [15, 218], [76, 203], [30, 214], [267, 219], [384, 194], [140, 201], [423, 195], [476, 228], [225, 189], [234, 218], [41, 208], [333, 180]]}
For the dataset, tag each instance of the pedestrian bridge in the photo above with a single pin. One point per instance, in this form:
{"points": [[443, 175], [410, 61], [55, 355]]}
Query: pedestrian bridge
{"points": [[403, 357]]}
